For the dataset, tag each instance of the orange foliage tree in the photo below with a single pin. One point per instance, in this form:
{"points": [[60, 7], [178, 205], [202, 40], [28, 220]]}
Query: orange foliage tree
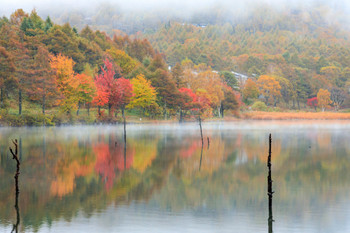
{"points": [[63, 67]]}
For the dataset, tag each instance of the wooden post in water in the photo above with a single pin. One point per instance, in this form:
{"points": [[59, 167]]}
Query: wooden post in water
{"points": [[200, 161], [124, 121], [200, 127], [269, 187], [15, 157]]}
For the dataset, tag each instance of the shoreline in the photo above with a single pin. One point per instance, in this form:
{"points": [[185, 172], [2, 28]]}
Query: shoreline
{"points": [[243, 116], [261, 117], [296, 116]]}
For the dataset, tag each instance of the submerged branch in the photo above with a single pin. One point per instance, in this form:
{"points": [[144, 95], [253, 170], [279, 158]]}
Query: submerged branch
{"points": [[15, 157]]}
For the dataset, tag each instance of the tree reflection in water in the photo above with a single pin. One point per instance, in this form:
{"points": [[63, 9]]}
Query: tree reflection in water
{"points": [[85, 172]]}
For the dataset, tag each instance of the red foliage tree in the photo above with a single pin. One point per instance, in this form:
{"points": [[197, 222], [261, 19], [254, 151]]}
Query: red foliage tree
{"points": [[188, 101], [203, 101], [312, 102], [124, 92], [106, 87]]}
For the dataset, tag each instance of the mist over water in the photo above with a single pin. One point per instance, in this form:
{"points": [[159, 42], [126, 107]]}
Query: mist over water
{"points": [[77, 178]]}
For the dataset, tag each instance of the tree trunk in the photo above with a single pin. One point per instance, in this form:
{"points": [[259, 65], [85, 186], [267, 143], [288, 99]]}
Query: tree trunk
{"points": [[181, 116], [2, 98], [88, 109], [19, 101], [44, 104], [165, 117], [298, 103], [109, 109], [267, 101], [99, 110], [219, 111], [79, 104], [222, 110]]}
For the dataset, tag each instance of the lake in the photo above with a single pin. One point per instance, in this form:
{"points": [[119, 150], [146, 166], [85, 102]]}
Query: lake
{"points": [[78, 179]]}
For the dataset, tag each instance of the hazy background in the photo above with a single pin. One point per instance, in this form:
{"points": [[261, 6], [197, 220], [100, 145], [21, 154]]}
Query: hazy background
{"points": [[181, 7], [190, 5], [146, 16]]}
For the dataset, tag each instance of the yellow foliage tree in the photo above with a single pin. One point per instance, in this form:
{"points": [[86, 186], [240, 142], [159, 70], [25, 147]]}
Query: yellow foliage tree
{"points": [[323, 98], [144, 95], [250, 90], [269, 87], [125, 62]]}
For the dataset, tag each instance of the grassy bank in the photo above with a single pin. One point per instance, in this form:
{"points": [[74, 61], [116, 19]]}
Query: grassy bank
{"points": [[32, 116], [295, 115]]}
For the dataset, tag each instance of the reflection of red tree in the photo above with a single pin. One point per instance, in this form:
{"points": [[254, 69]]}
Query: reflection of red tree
{"points": [[104, 164], [186, 153], [118, 154], [111, 159]]}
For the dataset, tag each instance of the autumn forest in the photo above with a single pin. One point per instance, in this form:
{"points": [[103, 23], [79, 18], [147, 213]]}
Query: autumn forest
{"points": [[55, 74]]}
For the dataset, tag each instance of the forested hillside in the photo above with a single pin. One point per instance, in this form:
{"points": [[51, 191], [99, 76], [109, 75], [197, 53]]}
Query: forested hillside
{"points": [[304, 50], [300, 49], [64, 71]]}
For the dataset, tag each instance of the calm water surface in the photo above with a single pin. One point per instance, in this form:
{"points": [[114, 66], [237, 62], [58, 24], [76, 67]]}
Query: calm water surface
{"points": [[78, 179]]}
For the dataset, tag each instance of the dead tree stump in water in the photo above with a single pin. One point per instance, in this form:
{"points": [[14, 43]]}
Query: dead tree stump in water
{"points": [[15, 157], [124, 122], [200, 127], [200, 160], [269, 187]]}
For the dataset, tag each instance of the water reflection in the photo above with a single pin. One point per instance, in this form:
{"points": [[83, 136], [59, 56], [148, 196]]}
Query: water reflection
{"points": [[81, 171]]}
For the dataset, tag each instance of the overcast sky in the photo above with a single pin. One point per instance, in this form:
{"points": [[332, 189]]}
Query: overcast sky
{"points": [[9, 6]]}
